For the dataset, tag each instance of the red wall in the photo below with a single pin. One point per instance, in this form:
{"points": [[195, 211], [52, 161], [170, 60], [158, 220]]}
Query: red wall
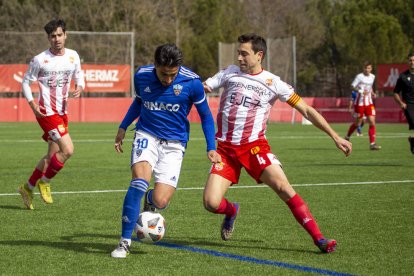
{"points": [[335, 110]]}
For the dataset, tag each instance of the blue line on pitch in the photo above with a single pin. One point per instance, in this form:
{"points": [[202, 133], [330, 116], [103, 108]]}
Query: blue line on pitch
{"points": [[252, 260]]}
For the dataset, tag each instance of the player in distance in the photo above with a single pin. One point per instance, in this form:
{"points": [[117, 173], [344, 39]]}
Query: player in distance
{"points": [[245, 103], [53, 69], [364, 105]]}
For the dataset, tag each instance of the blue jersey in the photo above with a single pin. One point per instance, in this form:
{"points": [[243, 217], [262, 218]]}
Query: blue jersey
{"points": [[163, 110]]}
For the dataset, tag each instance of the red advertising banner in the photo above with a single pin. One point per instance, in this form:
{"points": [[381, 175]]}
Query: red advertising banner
{"points": [[98, 78], [387, 75]]}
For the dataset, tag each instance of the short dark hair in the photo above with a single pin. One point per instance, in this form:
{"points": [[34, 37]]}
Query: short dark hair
{"points": [[168, 55], [367, 63], [52, 26], [258, 42], [410, 54]]}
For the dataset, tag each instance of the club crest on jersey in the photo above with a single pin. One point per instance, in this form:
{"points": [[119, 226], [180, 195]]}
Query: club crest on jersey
{"points": [[61, 128], [255, 150], [218, 166], [177, 89], [269, 82], [72, 59]]}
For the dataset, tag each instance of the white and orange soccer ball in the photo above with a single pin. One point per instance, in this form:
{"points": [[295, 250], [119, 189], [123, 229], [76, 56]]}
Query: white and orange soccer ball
{"points": [[150, 227]]}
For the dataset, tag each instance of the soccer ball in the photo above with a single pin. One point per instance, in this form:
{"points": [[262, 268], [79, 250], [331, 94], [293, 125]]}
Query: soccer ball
{"points": [[150, 227]]}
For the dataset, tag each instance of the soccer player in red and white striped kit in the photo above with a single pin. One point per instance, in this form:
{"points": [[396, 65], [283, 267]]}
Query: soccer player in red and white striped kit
{"points": [[364, 104], [53, 69], [245, 105]]}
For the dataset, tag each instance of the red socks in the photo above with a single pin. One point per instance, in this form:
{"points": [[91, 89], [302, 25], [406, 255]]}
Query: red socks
{"points": [[303, 215], [371, 133], [54, 167], [351, 130], [226, 208], [36, 175]]}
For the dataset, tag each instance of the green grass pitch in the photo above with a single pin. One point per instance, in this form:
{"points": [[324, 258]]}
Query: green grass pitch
{"points": [[365, 202]]}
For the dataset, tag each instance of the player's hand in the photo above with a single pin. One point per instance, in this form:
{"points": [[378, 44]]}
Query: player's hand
{"points": [[213, 156], [207, 88], [39, 111], [403, 106], [118, 140], [344, 145], [77, 92]]}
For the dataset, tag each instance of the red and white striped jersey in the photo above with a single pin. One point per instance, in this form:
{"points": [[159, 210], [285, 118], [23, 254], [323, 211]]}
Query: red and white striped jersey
{"points": [[54, 74], [364, 86], [246, 102]]}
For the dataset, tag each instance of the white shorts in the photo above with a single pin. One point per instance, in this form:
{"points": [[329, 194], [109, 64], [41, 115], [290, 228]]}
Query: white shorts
{"points": [[165, 157]]}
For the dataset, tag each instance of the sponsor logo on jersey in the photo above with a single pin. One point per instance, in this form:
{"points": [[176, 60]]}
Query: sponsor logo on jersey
{"points": [[255, 150], [147, 89], [177, 89], [244, 101], [259, 90], [162, 106]]}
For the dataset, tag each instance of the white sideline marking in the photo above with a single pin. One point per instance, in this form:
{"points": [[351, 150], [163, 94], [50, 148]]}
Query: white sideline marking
{"points": [[240, 187], [279, 137]]}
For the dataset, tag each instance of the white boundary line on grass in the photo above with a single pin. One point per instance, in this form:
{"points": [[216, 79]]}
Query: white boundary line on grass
{"points": [[243, 187], [270, 137]]}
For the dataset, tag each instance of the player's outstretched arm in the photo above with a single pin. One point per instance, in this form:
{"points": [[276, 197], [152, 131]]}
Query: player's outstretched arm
{"points": [[319, 121]]}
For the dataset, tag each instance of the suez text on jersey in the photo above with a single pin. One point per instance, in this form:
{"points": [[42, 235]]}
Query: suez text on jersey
{"points": [[161, 106], [57, 82], [244, 101]]}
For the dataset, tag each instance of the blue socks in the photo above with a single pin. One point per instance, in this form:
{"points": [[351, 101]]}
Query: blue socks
{"points": [[131, 208]]}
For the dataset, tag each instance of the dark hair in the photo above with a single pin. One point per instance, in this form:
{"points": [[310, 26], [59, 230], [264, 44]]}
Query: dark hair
{"points": [[258, 42], [52, 26], [367, 63], [168, 55], [411, 54]]}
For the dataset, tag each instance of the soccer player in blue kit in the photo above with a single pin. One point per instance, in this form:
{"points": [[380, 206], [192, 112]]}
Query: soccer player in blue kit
{"points": [[165, 93]]}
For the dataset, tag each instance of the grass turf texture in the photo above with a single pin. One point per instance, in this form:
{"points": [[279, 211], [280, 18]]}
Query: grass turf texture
{"points": [[372, 223]]}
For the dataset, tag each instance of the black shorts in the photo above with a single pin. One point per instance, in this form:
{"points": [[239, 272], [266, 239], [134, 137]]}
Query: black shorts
{"points": [[409, 114]]}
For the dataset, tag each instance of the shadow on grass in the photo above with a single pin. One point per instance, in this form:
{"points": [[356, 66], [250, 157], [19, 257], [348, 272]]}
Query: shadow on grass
{"points": [[235, 243], [13, 207], [72, 243]]}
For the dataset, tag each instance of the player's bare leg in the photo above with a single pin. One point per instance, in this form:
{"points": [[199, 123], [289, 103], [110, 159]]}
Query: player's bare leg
{"points": [[215, 202]]}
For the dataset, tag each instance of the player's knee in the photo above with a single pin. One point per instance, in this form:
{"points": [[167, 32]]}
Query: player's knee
{"points": [[160, 203], [210, 205]]}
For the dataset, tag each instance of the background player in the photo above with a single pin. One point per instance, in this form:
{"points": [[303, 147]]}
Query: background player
{"points": [[405, 86], [53, 69], [165, 93], [364, 105], [245, 104]]}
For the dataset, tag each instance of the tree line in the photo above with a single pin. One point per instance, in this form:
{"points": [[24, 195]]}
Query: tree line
{"points": [[334, 37]]}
